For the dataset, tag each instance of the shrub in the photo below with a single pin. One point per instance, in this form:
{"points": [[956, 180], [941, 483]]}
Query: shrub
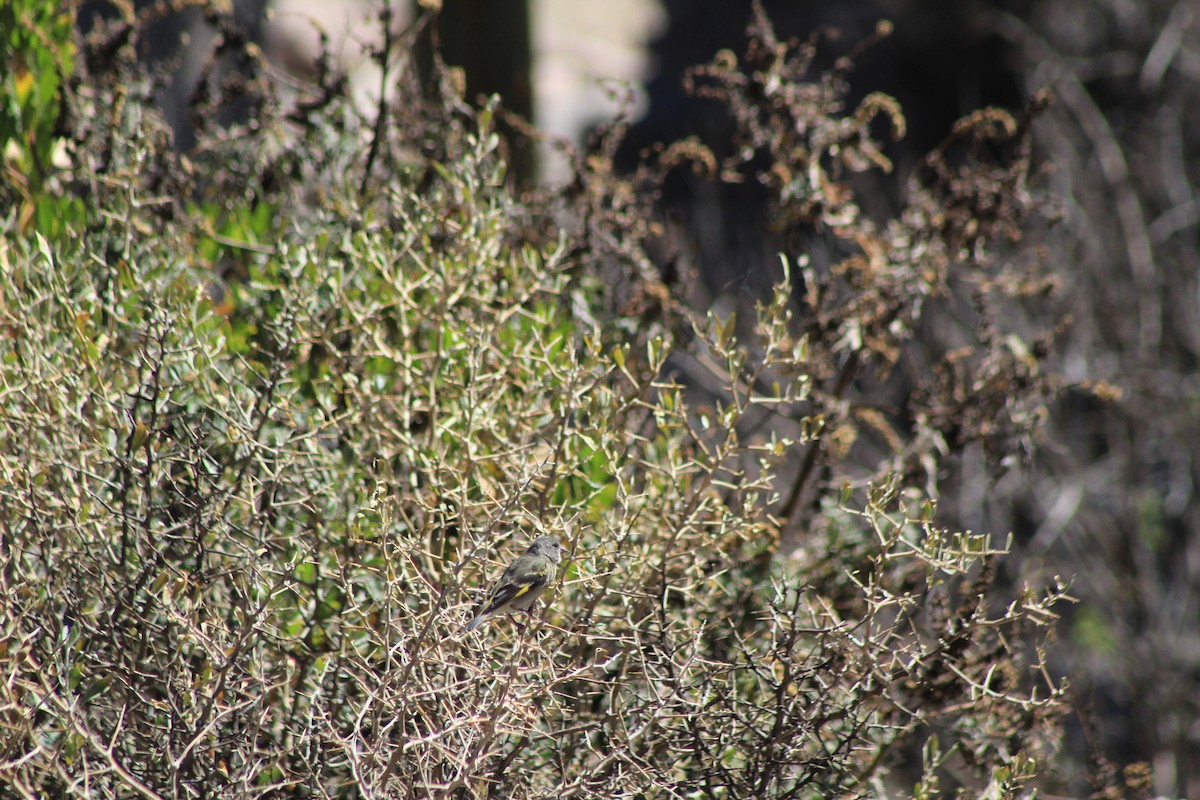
{"points": [[245, 517]]}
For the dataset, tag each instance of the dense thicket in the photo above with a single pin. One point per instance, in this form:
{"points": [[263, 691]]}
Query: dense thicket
{"points": [[274, 409]]}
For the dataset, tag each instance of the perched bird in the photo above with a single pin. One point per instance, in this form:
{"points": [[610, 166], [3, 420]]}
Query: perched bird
{"points": [[523, 582]]}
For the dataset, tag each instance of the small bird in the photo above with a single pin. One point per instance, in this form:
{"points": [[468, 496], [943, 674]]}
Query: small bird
{"points": [[523, 582]]}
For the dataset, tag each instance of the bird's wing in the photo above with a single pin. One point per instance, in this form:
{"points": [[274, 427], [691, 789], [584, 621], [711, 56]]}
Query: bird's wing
{"points": [[512, 586]]}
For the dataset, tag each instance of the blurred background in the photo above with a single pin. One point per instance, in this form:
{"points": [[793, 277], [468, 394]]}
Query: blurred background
{"points": [[1108, 498]]}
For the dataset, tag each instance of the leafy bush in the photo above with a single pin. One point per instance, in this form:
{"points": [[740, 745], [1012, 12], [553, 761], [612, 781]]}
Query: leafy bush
{"points": [[37, 52], [245, 517]]}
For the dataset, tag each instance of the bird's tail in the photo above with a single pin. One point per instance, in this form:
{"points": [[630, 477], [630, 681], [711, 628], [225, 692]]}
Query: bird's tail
{"points": [[473, 624]]}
